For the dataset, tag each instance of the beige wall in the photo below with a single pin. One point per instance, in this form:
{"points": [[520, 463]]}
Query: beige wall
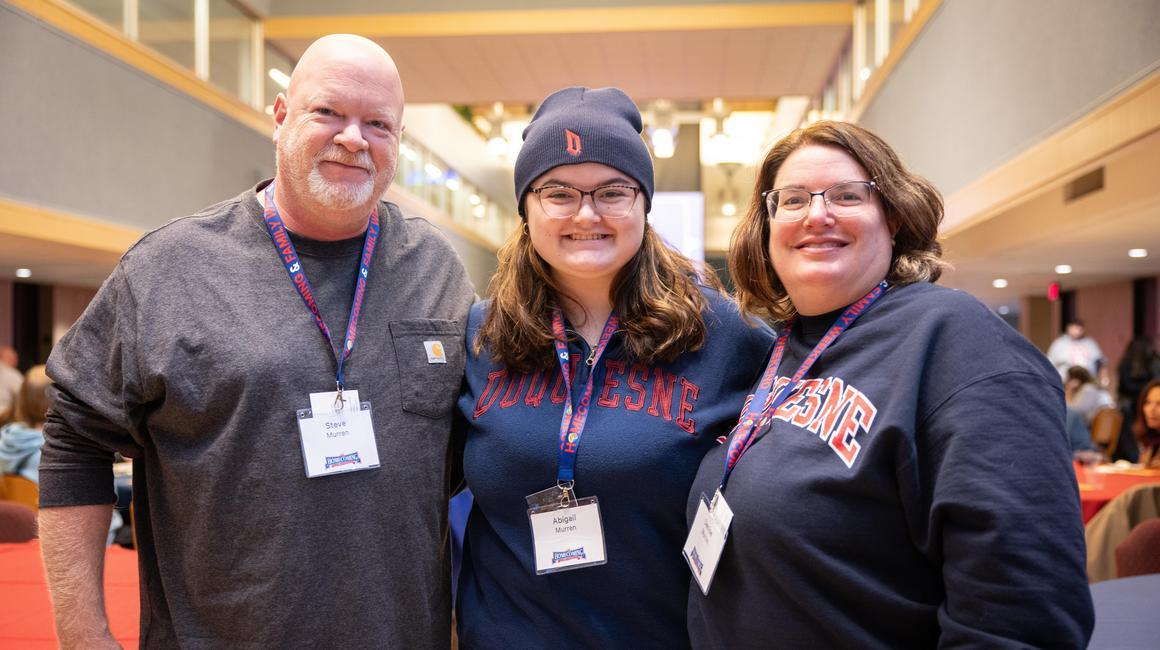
{"points": [[1106, 311], [68, 303]]}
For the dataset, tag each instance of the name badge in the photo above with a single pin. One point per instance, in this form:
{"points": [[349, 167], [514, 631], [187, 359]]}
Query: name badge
{"points": [[566, 532], [337, 437], [706, 539]]}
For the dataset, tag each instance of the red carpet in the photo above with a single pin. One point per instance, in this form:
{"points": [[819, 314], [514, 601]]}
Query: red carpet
{"points": [[25, 609]]}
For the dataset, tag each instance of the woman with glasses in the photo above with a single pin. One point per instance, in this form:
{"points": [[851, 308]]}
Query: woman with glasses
{"points": [[599, 373], [901, 478]]}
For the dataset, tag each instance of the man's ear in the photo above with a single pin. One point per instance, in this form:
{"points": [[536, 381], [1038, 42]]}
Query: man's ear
{"points": [[280, 112]]}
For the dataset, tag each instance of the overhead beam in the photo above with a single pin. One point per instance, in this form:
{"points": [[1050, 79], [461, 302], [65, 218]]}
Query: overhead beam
{"points": [[1128, 117], [20, 219], [563, 21]]}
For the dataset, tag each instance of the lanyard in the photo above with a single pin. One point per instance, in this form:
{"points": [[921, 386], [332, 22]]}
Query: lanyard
{"points": [[289, 256], [572, 424], [762, 405]]}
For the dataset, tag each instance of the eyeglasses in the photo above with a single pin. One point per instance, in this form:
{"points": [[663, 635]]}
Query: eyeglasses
{"points": [[847, 199], [609, 201]]}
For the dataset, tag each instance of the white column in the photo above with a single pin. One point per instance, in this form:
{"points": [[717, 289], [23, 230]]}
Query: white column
{"points": [[201, 39], [858, 53], [881, 31]]}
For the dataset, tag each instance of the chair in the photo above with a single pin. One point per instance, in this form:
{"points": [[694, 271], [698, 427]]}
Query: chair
{"points": [[17, 523], [1112, 525], [1139, 553], [20, 490], [1106, 429]]}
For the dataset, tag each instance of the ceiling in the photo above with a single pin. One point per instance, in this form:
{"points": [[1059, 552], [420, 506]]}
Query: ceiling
{"points": [[689, 64]]}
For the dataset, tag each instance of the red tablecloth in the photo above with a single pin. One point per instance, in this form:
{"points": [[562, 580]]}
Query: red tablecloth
{"points": [[25, 609], [1093, 498]]}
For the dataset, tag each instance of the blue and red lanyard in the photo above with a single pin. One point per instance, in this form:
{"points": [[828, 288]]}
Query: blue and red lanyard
{"points": [[572, 424], [758, 412], [289, 256]]}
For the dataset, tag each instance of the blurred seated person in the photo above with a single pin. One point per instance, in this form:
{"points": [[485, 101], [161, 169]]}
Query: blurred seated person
{"points": [[1083, 394], [1147, 424], [21, 439], [1078, 433], [1139, 365], [10, 380]]}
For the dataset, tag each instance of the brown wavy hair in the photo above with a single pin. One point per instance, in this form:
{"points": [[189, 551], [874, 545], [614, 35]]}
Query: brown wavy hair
{"points": [[910, 204], [656, 295], [1145, 437]]}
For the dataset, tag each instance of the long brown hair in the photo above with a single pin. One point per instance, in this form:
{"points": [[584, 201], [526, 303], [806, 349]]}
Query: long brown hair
{"points": [[910, 204], [655, 294], [1145, 437]]}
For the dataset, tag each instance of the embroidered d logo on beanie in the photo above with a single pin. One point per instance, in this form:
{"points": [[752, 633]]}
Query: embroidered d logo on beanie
{"points": [[611, 127]]}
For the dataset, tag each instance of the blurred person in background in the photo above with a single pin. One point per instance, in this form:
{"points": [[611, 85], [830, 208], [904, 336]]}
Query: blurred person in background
{"points": [[1084, 395], [1146, 426], [1075, 348], [1139, 365], [871, 483], [10, 380], [22, 438], [604, 365]]}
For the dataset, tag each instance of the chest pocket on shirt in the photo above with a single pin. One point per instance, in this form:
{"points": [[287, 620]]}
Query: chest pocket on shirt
{"points": [[428, 387]]}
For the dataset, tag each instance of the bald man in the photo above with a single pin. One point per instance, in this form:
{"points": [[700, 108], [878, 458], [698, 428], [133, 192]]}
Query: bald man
{"points": [[281, 368]]}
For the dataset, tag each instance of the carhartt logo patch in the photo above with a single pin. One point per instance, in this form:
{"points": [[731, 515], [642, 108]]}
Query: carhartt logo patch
{"points": [[435, 352], [573, 143]]}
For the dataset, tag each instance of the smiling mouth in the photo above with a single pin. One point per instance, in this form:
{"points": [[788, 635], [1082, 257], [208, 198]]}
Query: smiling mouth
{"points": [[592, 237], [348, 165], [820, 245]]}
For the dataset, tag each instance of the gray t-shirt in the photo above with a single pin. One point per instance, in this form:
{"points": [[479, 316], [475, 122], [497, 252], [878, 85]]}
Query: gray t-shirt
{"points": [[193, 359]]}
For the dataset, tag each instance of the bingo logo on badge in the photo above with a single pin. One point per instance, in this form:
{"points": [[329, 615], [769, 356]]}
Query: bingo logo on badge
{"points": [[570, 554], [345, 459], [696, 558]]}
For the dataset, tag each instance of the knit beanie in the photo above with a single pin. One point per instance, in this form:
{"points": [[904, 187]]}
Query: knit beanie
{"points": [[579, 125]]}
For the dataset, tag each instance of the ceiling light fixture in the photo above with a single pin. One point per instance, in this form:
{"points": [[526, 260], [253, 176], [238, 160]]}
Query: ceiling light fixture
{"points": [[663, 130], [497, 145], [864, 73], [664, 142], [24, 273], [1063, 269], [1138, 252], [999, 283], [280, 78], [1004, 310]]}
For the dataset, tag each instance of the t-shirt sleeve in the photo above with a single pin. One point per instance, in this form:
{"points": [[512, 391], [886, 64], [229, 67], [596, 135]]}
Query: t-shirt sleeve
{"points": [[97, 398], [1004, 519]]}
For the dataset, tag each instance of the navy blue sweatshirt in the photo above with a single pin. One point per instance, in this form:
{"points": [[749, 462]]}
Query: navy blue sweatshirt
{"points": [[647, 431], [916, 491]]}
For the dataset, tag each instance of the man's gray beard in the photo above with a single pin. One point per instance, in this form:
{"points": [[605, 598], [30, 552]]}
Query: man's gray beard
{"points": [[337, 196]]}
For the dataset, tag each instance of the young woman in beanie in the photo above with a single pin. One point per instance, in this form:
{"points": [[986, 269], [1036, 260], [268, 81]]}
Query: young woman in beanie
{"points": [[599, 373]]}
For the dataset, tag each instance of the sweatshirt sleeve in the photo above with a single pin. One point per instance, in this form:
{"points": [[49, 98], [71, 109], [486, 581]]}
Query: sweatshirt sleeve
{"points": [[96, 399], [1004, 519]]}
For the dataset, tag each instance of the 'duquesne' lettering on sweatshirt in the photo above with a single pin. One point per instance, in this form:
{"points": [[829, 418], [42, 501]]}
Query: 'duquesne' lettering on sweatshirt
{"points": [[618, 385]]}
